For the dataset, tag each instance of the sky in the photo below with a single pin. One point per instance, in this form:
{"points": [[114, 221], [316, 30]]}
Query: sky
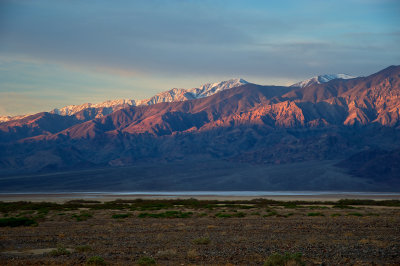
{"points": [[57, 53]]}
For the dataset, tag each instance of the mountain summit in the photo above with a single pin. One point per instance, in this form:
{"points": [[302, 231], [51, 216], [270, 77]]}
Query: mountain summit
{"points": [[239, 123], [321, 79], [174, 95]]}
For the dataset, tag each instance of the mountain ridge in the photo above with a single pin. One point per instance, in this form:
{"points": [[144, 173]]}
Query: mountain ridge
{"points": [[245, 124], [175, 94]]}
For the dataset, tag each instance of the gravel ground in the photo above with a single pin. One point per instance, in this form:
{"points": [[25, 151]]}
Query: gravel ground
{"points": [[362, 236]]}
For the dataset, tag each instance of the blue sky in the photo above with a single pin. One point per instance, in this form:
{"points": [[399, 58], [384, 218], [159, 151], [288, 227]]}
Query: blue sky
{"points": [[56, 53]]}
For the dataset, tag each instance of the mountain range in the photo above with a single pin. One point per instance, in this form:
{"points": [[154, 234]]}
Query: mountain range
{"points": [[331, 130]]}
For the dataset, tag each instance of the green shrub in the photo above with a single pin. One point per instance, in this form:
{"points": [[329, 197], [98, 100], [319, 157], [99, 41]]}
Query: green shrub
{"points": [[270, 213], [83, 216], [315, 214], [245, 207], [17, 221], [317, 207], [290, 205], [223, 215], [278, 259], [335, 214], [120, 216], [60, 251], [202, 241], [167, 214], [340, 206], [230, 215], [240, 214], [146, 261], [95, 260], [355, 214]]}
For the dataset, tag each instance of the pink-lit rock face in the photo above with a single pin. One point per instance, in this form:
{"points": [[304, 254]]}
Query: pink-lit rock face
{"points": [[239, 121]]}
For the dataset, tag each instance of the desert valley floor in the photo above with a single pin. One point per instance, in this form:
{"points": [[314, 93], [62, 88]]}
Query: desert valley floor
{"points": [[200, 232]]}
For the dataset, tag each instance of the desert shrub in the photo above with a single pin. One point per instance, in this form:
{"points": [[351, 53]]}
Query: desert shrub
{"points": [[245, 207], [391, 203], [24, 213], [290, 205], [152, 206], [84, 248], [270, 213], [202, 241], [95, 260], [278, 259], [239, 214], [342, 206], [223, 215], [110, 205], [83, 216], [315, 214], [146, 261], [120, 216], [167, 214], [230, 215], [17, 221], [60, 251], [355, 214]]}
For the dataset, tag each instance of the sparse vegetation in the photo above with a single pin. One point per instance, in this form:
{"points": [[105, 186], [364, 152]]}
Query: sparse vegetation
{"points": [[355, 214], [211, 228], [340, 206], [317, 207], [230, 215], [83, 216], [151, 205], [286, 259], [17, 221], [60, 251], [315, 214], [146, 261], [96, 260], [202, 241], [167, 214], [120, 216], [271, 213]]}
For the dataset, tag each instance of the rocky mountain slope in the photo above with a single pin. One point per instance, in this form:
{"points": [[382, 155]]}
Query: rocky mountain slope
{"points": [[248, 124], [321, 79]]}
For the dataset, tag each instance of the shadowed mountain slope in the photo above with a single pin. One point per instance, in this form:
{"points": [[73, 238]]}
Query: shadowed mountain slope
{"points": [[247, 124]]}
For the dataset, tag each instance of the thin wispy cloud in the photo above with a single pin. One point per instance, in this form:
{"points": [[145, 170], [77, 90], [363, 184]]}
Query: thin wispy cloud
{"points": [[164, 44]]}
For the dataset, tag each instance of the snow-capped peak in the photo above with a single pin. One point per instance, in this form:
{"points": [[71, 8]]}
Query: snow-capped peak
{"points": [[173, 95], [212, 88], [321, 79]]}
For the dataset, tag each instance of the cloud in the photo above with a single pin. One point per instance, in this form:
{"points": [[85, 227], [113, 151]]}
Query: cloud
{"points": [[155, 45]]}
